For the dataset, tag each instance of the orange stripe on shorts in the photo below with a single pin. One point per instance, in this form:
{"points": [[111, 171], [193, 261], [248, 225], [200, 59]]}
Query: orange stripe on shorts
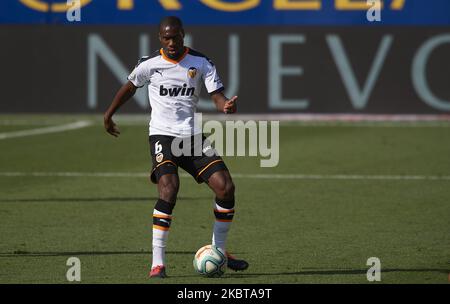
{"points": [[209, 165]]}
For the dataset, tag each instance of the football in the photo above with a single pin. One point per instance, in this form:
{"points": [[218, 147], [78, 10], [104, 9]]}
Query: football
{"points": [[210, 261]]}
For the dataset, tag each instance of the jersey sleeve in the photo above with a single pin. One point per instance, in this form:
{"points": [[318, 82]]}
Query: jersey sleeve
{"points": [[141, 73], [211, 77]]}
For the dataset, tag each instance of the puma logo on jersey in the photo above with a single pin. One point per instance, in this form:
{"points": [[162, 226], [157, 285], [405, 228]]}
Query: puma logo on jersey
{"points": [[206, 149], [177, 91]]}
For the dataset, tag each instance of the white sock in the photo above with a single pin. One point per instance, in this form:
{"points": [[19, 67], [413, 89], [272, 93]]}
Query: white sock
{"points": [[222, 225], [161, 224], [159, 256]]}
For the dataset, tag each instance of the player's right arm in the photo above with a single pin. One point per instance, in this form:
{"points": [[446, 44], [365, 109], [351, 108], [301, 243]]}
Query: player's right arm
{"points": [[137, 79], [122, 96]]}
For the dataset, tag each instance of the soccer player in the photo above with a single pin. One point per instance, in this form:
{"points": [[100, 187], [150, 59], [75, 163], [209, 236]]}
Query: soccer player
{"points": [[174, 75]]}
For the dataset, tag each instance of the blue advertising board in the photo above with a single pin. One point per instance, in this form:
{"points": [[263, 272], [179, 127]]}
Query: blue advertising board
{"points": [[227, 12]]}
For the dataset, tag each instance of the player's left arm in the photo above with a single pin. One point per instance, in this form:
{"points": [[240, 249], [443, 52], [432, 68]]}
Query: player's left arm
{"points": [[215, 88], [223, 104]]}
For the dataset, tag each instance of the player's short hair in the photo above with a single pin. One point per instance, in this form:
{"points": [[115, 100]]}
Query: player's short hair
{"points": [[171, 20]]}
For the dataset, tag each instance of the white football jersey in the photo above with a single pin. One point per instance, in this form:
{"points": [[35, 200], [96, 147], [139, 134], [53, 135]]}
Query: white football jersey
{"points": [[174, 88]]}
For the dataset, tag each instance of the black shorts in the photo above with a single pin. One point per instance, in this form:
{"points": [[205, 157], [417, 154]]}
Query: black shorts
{"points": [[197, 157]]}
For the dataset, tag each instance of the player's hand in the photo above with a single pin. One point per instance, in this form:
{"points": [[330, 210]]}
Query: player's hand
{"points": [[111, 127], [230, 106]]}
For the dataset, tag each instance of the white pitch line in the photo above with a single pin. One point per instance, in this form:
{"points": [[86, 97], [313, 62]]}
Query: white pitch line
{"points": [[302, 117], [341, 176], [74, 174], [237, 175], [46, 130], [331, 124]]}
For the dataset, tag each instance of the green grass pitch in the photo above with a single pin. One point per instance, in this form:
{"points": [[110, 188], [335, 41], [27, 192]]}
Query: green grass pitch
{"points": [[294, 229]]}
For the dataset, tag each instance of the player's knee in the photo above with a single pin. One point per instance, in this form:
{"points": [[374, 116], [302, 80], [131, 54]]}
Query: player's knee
{"points": [[168, 190], [225, 190], [169, 193]]}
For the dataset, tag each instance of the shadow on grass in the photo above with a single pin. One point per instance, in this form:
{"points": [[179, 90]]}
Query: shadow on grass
{"points": [[94, 199], [23, 254], [336, 272], [328, 272], [230, 274]]}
